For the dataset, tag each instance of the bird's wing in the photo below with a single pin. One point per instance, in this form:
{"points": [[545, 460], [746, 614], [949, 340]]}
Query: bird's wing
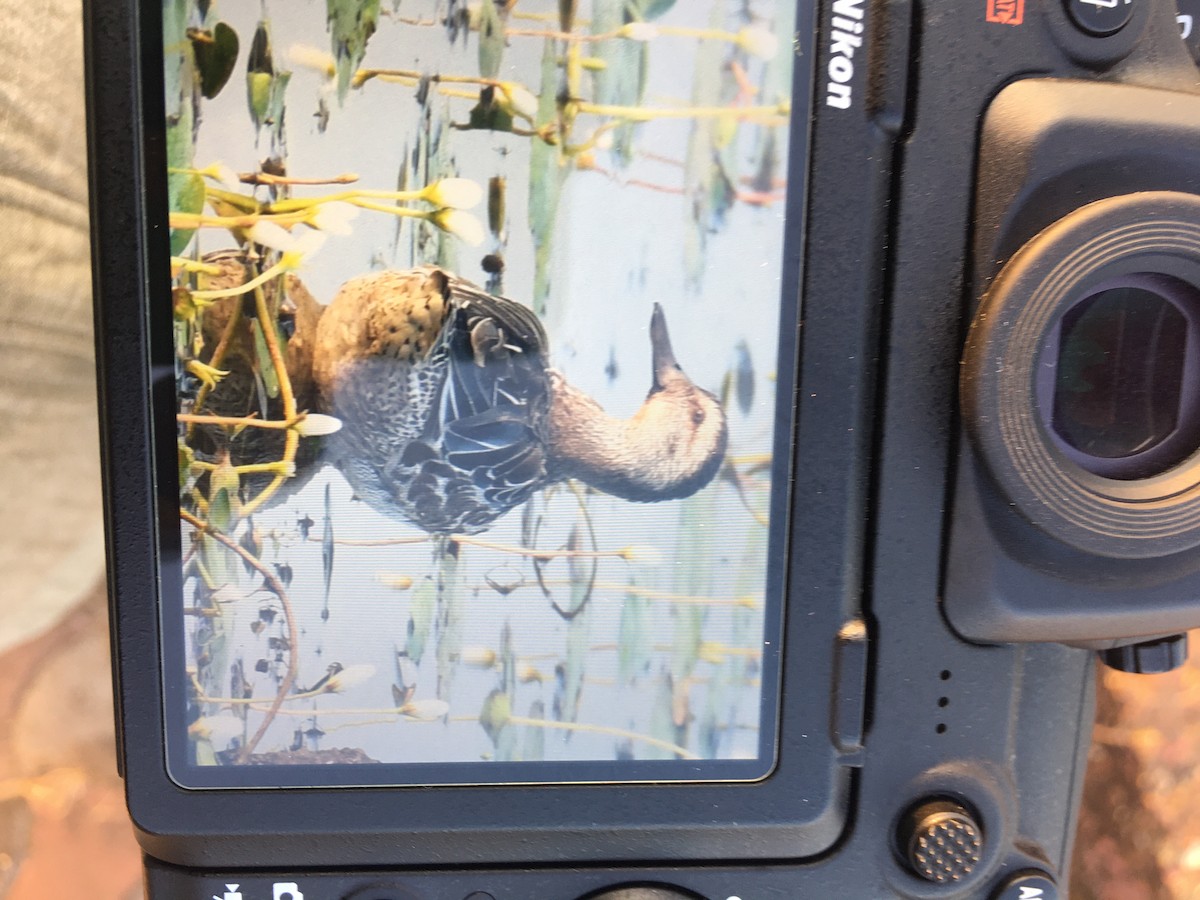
{"points": [[496, 355]]}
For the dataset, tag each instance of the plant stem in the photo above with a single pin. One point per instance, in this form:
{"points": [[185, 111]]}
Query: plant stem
{"points": [[218, 357], [277, 588], [536, 554], [237, 421], [253, 284], [775, 114], [292, 439], [268, 179]]}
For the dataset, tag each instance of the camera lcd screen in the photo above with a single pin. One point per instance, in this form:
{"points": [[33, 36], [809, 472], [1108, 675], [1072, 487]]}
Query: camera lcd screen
{"points": [[482, 397]]}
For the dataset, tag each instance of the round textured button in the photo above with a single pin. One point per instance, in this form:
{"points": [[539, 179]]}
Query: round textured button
{"points": [[1028, 886], [1100, 17], [941, 841]]}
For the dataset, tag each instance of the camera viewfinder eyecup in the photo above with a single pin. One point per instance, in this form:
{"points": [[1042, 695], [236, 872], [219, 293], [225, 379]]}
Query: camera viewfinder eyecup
{"points": [[1080, 378]]}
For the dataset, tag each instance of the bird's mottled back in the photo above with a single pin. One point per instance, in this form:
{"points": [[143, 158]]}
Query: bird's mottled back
{"points": [[441, 389]]}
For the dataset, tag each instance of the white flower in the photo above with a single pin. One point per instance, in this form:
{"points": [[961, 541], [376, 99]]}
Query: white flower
{"points": [[272, 236], [317, 425], [638, 31], [223, 175], [461, 224], [310, 57], [757, 41], [478, 657], [520, 101], [425, 710], [456, 193], [335, 218], [293, 248], [307, 244], [348, 678]]}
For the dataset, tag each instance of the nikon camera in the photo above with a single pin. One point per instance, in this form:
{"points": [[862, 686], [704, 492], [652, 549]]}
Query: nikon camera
{"points": [[638, 449]]}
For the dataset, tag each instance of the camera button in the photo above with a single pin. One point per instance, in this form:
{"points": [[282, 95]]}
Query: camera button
{"points": [[1100, 18], [1028, 886], [940, 841]]}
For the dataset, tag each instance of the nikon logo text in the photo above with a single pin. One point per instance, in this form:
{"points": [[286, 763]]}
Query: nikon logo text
{"points": [[846, 36]]}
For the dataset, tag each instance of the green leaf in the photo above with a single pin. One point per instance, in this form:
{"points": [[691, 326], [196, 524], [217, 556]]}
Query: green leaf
{"points": [[276, 106], [420, 618], [662, 720], [706, 184], [186, 458], [488, 115], [533, 747], [574, 667], [648, 9], [220, 511], [351, 24], [634, 638], [260, 73], [258, 96], [491, 39], [266, 367], [216, 55], [622, 80], [451, 613], [185, 193], [547, 173], [494, 716]]}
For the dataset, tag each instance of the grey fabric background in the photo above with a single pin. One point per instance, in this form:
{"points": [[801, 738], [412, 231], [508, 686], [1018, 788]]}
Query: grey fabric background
{"points": [[51, 542]]}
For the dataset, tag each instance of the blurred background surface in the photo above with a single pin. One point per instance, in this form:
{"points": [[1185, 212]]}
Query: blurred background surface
{"points": [[63, 827]]}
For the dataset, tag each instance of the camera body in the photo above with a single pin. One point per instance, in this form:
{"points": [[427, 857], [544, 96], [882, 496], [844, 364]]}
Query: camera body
{"points": [[938, 604]]}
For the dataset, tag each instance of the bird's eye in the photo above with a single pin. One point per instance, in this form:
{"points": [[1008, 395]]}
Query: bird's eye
{"points": [[697, 416]]}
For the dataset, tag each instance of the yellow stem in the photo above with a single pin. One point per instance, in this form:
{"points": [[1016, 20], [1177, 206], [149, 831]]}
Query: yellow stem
{"points": [[252, 285], [373, 542], [299, 204], [248, 469], [771, 115], [191, 265], [267, 178], [247, 220], [217, 358], [237, 421], [402, 211], [537, 554], [292, 438]]}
